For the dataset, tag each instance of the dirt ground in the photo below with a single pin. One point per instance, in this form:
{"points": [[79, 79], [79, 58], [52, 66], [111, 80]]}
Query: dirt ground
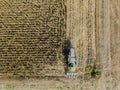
{"points": [[59, 84]]}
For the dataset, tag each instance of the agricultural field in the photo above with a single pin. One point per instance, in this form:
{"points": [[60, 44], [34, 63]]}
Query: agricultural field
{"points": [[33, 38], [93, 28]]}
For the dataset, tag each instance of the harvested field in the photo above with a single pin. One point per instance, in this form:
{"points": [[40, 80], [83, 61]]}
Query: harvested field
{"points": [[93, 28]]}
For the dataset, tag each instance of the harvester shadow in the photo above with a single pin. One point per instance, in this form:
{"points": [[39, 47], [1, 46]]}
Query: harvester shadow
{"points": [[66, 51]]}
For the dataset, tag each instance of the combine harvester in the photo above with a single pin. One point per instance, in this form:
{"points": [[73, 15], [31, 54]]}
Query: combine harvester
{"points": [[72, 64]]}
